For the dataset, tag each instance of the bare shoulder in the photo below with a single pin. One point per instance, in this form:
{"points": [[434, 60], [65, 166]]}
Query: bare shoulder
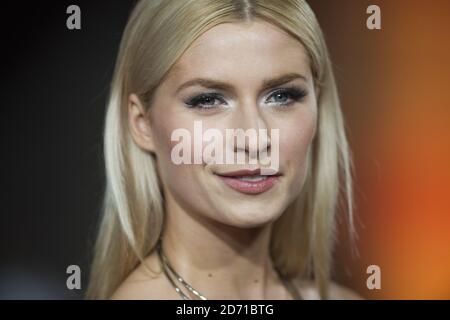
{"points": [[145, 284], [309, 291]]}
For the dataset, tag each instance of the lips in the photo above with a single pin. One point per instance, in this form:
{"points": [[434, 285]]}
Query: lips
{"points": [[249, 181]]}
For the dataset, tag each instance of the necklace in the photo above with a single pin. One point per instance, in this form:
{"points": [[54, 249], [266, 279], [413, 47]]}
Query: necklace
{"points": [[170, 272]]}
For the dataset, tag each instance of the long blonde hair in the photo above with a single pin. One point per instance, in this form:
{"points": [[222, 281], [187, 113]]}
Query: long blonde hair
{"points": [[156, 35]]}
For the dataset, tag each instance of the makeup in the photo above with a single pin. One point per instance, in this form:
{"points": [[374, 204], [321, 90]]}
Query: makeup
{"points": [[249, 181]]}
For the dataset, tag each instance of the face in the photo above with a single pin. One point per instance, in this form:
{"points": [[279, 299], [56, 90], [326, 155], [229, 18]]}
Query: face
{"points": [[240, 60]]}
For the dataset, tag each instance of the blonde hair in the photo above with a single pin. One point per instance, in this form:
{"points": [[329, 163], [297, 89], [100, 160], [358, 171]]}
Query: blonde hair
{"points": [[157, 34]]}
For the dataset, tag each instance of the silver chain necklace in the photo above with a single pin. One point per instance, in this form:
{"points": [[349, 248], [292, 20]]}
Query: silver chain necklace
{"points": [[170, 272]]}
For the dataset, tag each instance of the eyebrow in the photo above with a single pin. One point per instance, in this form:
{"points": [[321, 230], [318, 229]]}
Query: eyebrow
{"points": [[215, 84]]}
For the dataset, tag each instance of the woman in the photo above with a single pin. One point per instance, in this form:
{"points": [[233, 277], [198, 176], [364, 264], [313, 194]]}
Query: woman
{"points": [[221, 230]]}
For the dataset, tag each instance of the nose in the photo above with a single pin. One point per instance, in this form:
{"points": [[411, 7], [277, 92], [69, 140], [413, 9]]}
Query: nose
{"points": [[251, 130]]}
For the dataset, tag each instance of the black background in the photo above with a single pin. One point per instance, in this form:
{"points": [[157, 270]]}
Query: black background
{"points": [[54, 88]]}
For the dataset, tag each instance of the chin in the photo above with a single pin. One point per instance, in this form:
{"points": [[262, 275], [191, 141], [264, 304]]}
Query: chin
{"points": [[252, 215]]}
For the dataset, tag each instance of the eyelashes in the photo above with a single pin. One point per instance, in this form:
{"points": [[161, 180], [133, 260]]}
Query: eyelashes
{"points": [[296, 95], [203, 101], [288, 95]]}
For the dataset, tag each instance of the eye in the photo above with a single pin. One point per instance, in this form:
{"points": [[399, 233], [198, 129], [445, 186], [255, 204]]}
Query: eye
{"points": [[204, 101], [287, 96]]}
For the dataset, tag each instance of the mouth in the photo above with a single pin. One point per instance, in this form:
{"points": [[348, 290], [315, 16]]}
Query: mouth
{"points": [[249, 181]]}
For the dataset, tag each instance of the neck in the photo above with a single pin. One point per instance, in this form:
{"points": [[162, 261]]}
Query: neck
{"points": [[218, 260]]}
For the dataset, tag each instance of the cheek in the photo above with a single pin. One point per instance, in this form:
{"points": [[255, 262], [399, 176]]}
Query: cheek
{"points": [[182, 181], [295, 140], [162, 132], [162, 139], [169, 171]]}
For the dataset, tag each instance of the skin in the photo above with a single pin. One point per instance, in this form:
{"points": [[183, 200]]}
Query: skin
{"points": [[229, 230]]}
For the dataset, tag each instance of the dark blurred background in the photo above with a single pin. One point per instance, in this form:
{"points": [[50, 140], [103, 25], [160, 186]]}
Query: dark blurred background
{"points": [[393, 85], [54, 88]]}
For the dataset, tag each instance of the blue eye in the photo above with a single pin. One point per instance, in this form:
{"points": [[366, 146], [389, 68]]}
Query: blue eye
{"points": [[284, 97], [204, 101], [288, 96]]}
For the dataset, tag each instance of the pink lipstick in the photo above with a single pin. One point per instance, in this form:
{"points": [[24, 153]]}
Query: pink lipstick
{"points": [[249, 181]]}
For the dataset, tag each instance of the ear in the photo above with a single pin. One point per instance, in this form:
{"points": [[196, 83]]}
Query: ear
{"points": [[139, 123]]}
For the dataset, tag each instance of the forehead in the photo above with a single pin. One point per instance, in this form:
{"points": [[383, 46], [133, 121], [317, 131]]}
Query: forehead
{"points": [[245, 51]]}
